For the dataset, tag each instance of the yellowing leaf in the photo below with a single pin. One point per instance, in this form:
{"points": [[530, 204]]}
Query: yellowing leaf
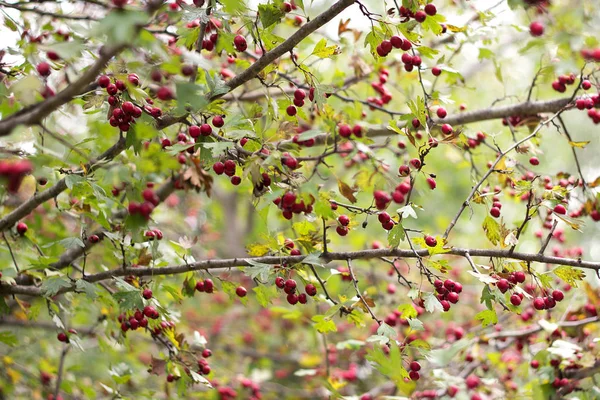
{"points": [[492, 230], [569, 274], [347, 191], [579, 145], [323, 51], [257, 250], [487, 317], [454, 28]]}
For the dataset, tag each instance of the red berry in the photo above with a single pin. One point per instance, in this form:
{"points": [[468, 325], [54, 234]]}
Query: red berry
{"points": [[520, 276], [43, 69], [240, 43], [396, 41], [164, 93], [539, 303], [62, 337], [446, 129], [558, 295], [344, 220], [21, 228], [342, 230], [103, 81], [436, 71], [236, 180], [344, 131], [291, 110], [585, 85], [310, 289], [218, 121], [147, 294], [534, 364], [414, 375], [495, 212], [415, 366], [560, 209], [194, 131], [441, 112], [536, 28], [430, 241], [515, 299], [503, 285], [534, 161], [420, 16], [430, 9], [241, 291]]}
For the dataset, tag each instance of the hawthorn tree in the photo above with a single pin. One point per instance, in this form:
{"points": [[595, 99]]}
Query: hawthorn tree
{"points": [[226, 199]]}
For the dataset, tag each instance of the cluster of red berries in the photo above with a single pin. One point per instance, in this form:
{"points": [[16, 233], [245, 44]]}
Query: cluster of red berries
{"points": [[475, 142], [414, 368], [342, 227], [591, 54], [513, 279], [345, 131], [144, 209], [386, 220], [299, 96], [289, 245], [205, 286], [138, 318], [448, 292], [228, 168], [203, 366], [420, 15], [495, 210], [289, 161], [14, 172], [154, 234], [560, 84], [290, 204], [384, 93], [289, 286], [548, 302]]}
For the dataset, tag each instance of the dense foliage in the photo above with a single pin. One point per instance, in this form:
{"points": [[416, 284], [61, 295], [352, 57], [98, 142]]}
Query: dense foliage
{"points": [[228, 199]]}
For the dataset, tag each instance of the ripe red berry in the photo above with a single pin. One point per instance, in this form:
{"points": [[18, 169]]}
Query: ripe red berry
{"points": [[291, 110], [441, 112], [219, 167], [495, 212], [241, 291], [292, 298], [503, 285], [534, 161], [344, 131], [164, 93], [396, 41], [280, 282], [560, 209], [103, 81], [539, 303], [310, 289], [147, 294], [342, 230], [414, 375], [62, 337], [431, 182], [208, 285], [420, 16], [218, 121], [133, 79], [585, 85], [21, 228], [520, 276], [436, 71], [515, 299], [558, 295], [430, 241], [430, 9], [534, 364], [415, 366], [194, 131], [94, 238], [452, 297], [536, 28], [236, 180], [446, 129], [344, 220], [240, 43], [43, 69]]}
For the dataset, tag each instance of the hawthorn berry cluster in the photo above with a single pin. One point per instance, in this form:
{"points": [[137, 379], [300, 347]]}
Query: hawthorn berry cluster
{"points": [[14, 172], [299, 97], [144, 209], [378, 86], [448, 292], [205, 286], [289, 286], [419, 15], [560, 84], [291, 204]]}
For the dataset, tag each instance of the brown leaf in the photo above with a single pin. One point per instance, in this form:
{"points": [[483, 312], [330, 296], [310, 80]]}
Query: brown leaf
{"points": [[362, 305], [144, 258], [198, 178], [595, 183], [343, 26], [157, 366], [347, 191]]}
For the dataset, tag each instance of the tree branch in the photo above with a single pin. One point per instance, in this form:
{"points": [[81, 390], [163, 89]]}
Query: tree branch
{"points": [[215, 264]]}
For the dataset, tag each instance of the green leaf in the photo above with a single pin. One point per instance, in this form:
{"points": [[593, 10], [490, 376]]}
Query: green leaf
{"points": [[190, 95], [324, 324], [569, 274], [407, 310], [487, 317], [9, 338], [321, 49], [71, 180], [88, 288], [265, 294], [129, 300], [52, 286], [120, 26], [396, 235], [391, 366], [269, 14], [387, 331], [415, 324], [258, 270], [492, 230], [432, 303], [442, 357]]}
